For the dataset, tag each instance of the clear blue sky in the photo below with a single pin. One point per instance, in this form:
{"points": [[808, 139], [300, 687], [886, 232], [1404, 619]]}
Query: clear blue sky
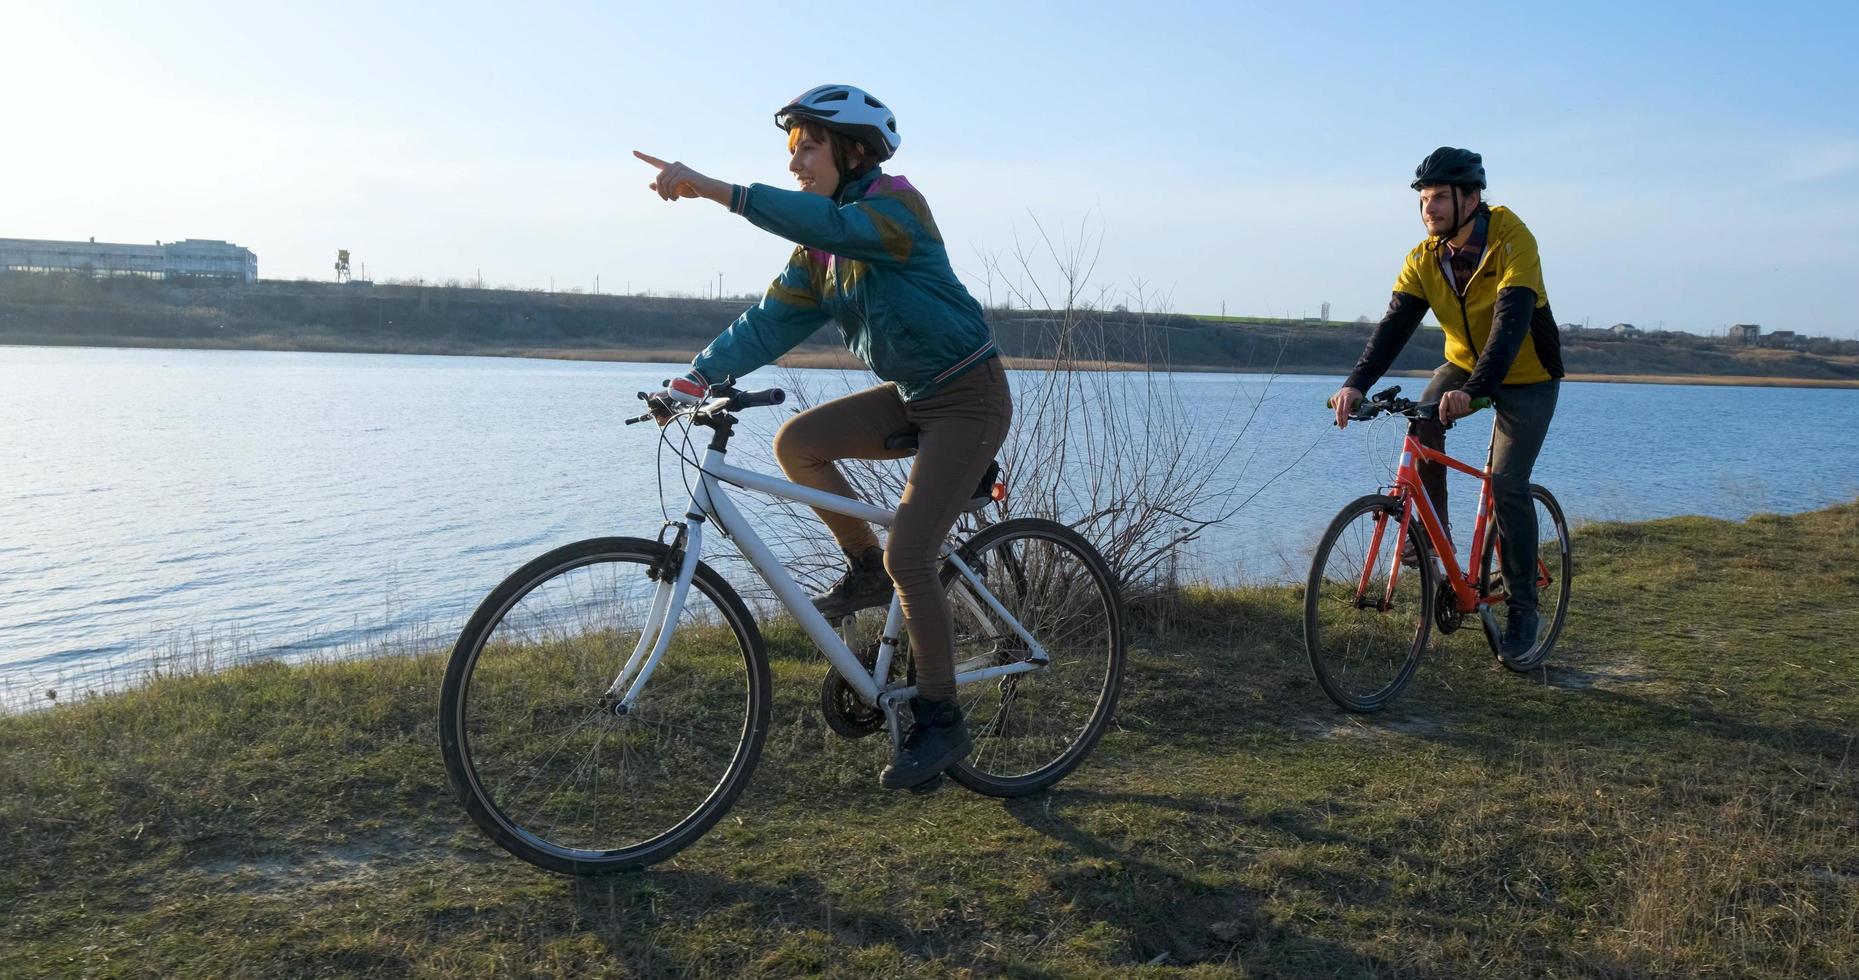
{"points": [[1695, 165]]}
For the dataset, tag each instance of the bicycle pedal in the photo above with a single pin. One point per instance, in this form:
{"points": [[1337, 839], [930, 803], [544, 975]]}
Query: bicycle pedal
{"points": [[929, 785]]}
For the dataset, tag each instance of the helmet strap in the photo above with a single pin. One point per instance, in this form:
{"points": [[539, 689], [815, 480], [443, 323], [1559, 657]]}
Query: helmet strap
{"points": [[1458, 222]]}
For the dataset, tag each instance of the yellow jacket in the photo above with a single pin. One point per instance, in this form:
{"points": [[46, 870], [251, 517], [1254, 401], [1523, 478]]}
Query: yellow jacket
{"points": [[1510, 260]]}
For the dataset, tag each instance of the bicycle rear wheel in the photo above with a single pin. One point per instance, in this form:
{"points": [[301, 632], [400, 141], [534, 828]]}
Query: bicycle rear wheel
{"points": [[1031, 729], [550, 772], [1363, 636], [1555, 569]]}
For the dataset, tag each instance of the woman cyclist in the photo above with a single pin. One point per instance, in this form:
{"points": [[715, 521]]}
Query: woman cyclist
{"points": [[869, 256]]}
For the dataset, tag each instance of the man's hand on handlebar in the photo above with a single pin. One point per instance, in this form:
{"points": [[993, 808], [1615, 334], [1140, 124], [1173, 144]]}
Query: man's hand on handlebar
{"points": [[1454, 405], [678, 393], [1345, 401]]}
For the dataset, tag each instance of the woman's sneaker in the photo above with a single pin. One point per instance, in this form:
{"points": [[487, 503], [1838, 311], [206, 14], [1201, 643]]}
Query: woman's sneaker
{"points": [[938, 738], [865, 585]]}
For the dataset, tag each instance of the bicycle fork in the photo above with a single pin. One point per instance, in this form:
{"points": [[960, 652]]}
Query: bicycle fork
{"points": [[674, 584]]}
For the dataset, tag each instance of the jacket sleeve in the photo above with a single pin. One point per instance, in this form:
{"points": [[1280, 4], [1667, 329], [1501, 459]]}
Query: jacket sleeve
{"points": [[878, 228], [1523, 267], [1509, 326], [788, 314], [1391, 334], [1409, 281], [1520, 292]]}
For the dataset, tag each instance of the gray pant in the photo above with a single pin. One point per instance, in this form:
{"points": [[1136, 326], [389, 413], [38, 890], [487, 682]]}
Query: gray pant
{"points": [[1523, 420]]}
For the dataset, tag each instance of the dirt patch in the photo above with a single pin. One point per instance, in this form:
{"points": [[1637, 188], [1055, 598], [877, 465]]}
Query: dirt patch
{"points": [[1367, 726], [1592, 676], [355, 861]]}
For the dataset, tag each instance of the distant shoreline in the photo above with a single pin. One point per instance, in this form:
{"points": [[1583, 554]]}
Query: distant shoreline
{"points": [[839, 359]]}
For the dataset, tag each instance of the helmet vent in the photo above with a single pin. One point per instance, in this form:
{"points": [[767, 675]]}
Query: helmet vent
{"points": [[838, 96]]}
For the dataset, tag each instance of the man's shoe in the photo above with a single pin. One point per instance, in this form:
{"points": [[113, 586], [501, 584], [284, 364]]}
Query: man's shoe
{"points": [[1519, 634], [937, 739], [864, 586]]}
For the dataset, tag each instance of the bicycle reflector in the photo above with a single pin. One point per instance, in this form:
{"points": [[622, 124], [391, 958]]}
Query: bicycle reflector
{"points": [[999, 493]]}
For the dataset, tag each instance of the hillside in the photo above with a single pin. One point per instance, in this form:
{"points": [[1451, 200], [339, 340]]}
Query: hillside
{"points": [[69, 310]]}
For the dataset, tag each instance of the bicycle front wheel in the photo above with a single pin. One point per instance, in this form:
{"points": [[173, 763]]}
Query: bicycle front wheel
{"points": [[1033, 728], [535, 751], [1367, 616], [1555, 568]]}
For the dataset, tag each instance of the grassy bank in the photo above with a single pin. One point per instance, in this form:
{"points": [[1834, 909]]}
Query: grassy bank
{"points": [[1675, 796]]}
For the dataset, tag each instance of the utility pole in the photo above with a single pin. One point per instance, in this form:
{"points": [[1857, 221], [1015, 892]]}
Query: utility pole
{"points": [[719, 285]]}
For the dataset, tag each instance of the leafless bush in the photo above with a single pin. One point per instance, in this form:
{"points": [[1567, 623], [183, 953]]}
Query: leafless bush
{"points": [[1102, 439]]}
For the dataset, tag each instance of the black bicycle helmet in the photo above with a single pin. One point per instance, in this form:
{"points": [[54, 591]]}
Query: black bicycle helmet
{"points": [[1450, 165]]}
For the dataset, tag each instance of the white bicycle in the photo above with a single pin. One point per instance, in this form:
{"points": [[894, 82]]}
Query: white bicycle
{"points": [[606, 704]]}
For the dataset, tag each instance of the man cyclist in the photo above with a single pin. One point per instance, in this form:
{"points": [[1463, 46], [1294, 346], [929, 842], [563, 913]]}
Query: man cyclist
{"points": [[1479, 273]]}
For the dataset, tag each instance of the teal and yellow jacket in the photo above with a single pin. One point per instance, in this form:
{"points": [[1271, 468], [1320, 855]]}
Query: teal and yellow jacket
{"points": [[870, 259]]}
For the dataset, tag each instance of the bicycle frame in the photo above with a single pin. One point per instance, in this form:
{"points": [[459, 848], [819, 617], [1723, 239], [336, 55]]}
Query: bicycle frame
{"points": [[1414, 500], [709, 501]]}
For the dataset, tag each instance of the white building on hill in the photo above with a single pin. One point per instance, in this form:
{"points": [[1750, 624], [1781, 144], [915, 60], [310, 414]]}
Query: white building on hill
{"points": [[189, 258]]}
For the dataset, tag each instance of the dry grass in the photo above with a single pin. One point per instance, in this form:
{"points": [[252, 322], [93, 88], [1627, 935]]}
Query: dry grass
{"points": [[1674, 796]]}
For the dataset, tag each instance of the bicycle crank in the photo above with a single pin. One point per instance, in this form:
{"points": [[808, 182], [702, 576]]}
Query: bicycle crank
{"points": [[1493, 632], [845, 713], [1446, 613]]}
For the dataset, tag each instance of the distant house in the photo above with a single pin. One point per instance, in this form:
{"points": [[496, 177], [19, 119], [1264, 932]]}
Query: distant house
{"points": [[1747, 334], [1786, 339], [1624, 330]]}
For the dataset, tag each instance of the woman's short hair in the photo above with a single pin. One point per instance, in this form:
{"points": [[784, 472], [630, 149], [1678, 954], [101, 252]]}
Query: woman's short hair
{"points": [[850, 155]]}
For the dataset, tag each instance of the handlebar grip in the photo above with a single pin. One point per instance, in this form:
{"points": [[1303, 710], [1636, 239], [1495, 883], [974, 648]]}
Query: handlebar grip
{"points": [[760, 399]]}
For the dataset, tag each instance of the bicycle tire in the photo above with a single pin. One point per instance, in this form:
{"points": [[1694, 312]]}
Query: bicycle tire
{"points": [[1033, 729], [1559, 569], [1363, 661], [521, 697]]}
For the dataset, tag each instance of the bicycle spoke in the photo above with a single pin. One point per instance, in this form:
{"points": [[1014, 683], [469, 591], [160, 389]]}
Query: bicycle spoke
{"points": [[549, 757]]}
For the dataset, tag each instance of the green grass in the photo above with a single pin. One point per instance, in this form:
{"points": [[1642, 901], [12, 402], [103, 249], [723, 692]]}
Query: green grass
{"points": [[1675, 796]]}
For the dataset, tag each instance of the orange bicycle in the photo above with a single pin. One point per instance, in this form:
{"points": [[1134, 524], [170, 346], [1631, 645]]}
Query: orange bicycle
{"points": [[1369, 609]]}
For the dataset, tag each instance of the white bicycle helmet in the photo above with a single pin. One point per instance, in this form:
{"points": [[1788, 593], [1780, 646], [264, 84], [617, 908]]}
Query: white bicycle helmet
{"points": [[845, 109]]}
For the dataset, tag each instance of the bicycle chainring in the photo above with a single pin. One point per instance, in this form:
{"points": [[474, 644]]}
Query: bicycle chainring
{"points": [[845, 714], [1446, 614]]}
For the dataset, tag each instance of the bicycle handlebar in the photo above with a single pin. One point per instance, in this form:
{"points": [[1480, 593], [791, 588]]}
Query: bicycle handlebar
{"points": [[722, 398], [1387, 401]]}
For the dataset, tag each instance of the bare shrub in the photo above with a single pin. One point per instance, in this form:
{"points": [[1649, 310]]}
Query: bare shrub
{"points": [[1102, 440]]}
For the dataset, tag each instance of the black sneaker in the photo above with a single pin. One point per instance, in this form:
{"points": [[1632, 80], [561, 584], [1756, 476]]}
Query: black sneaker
{"points": [[937, 739], [1519, 634], [864, 586]]}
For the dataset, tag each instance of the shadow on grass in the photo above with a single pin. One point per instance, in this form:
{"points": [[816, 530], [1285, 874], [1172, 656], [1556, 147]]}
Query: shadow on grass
{"points": [[1180, 916], [627, 911]]}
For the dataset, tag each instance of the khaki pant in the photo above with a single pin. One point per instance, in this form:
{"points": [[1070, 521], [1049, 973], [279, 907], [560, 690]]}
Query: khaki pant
{"points": [[959, 431]]}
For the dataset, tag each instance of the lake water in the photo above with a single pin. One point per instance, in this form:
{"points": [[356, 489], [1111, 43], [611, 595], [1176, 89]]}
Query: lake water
{"points": [[158, 503]]}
